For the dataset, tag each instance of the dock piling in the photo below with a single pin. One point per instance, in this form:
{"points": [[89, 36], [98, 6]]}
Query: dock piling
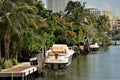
{"points": [[40, 64]]}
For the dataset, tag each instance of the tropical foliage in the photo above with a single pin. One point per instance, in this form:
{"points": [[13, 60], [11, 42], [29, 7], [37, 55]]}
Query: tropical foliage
{"points": [[26, 27], [20, 27], [86, 24], [115, 34]]}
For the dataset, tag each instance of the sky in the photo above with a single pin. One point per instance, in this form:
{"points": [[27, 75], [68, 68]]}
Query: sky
{"points": [[113, 5]]}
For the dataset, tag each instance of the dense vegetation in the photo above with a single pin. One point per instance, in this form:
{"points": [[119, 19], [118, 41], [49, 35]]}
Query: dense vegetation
{"points": [[26, 27], [115, 34]]}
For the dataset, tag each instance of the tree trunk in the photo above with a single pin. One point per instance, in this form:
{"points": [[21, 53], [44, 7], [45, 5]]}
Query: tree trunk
{"points": [[16, 55], [7, 44], [0, 49]]}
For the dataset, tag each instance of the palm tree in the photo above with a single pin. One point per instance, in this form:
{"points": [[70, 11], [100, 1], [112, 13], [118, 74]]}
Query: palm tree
{"points": [[18, 18], [76, 13], [103, 23], [8, 29], [0, 47]]}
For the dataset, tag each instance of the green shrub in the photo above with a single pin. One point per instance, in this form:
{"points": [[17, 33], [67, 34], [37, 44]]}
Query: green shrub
{"points": [[1, 60], [14, 62], [116, 37], [7, 64], [0, 68]]}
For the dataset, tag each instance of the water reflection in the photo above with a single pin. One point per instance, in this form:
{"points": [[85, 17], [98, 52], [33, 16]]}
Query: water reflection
{"points": [[101, 65], [104, 65]]}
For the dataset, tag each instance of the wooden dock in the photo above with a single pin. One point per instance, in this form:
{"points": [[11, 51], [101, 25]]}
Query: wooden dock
{"points": [[24, 71], [18, 72]]}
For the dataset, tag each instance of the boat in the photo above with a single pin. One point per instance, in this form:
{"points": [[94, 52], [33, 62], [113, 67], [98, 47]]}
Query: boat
{"points": [[58, 57], [84, 48], [94, 47]]}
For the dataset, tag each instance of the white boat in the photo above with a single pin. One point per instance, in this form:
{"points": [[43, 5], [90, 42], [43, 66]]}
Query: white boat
{"points": [[94, 47], [58, 57]]}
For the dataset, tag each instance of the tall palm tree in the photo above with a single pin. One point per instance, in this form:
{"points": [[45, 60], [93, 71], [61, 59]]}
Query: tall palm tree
{"points": [[76, 13], [18, 17], [0, 47], [7, 29]]}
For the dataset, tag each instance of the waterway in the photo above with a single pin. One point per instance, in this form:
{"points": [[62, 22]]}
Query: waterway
{"points": [[101, 65]]}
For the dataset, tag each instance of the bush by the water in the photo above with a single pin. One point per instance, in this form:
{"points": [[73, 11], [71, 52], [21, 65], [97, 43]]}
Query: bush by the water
{"points": [[116, 37], [1, 60], [14, 62], [7, 64]]}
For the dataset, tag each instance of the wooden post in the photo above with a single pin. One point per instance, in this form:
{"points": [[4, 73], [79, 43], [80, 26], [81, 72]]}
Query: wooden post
{"points": [[44, 51], [40, 63], [22, 76], [26, 77], [11, 76]]}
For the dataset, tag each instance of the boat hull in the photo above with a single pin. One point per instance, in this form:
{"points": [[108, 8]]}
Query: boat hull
{"points": [[94, 49], [55, 65], [58, 57]]}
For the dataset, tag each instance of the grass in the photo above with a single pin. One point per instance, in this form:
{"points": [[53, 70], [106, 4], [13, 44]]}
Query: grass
{"points": [[7, 64], [14, 62]]}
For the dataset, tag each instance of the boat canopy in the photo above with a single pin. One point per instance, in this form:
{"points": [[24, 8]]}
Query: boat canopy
{"points": [[60, 49]]}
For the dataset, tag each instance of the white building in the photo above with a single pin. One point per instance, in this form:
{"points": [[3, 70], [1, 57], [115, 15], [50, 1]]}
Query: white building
{"points": [[56, 5], [115, 23], [98, 12], [110, 14]]}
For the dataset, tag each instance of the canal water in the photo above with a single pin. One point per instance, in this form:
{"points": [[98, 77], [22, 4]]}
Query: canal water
{"points": [[100, 65]]}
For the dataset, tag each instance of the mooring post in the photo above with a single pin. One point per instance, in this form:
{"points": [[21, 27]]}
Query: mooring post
{"points": [[44, 51], [11, 76], [23, 76], [40, 64], [115, 42]]}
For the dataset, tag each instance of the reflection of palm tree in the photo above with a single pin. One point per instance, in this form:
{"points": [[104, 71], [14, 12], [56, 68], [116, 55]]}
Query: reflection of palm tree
{"points": [[83, 67], [78, 67]]}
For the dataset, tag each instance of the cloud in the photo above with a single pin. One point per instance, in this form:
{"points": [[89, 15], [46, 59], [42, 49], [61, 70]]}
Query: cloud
{"points": [[106, 6], [117, 12], [90, 6]]}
